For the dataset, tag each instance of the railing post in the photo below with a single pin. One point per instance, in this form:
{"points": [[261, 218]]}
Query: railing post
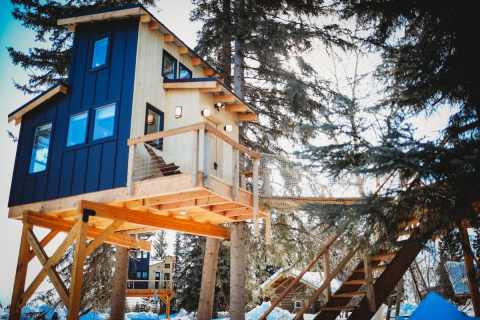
{"points": [[195, 159], [202, 154], [369, 281], [326, 272], [256, 164], [235, 173], [131, 163]]}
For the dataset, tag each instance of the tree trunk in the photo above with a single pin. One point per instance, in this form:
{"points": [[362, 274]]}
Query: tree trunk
{"points": [[226, 52], [119, 289], [398, 299], [237, 271], [470, 269], [209, 276], [446, 287]]}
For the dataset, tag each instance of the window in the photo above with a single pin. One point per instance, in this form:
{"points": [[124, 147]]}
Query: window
{"points": [[100, 52], [154, 122], [298, 304], [184, 72], [166, 277], [139, 254], [77, 129], [169, 66], [139, 275], [167, 265], [41, 143], [145, 274], [104, 122], [157, 275]]}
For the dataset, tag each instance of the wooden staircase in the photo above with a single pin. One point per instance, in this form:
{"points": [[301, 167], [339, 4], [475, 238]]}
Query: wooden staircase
{"points": [[161, 167], [367, 286]]}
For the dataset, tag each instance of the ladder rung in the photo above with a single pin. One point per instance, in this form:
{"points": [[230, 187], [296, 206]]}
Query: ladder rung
{"points": [[356, 282], [349, 294]]}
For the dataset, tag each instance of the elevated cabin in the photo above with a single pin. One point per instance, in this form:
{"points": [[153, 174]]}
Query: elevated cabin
{"points": [[141, 123]]}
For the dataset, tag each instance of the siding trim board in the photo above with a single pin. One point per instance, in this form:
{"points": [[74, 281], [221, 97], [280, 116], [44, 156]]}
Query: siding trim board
{"points": [[94, 165]]}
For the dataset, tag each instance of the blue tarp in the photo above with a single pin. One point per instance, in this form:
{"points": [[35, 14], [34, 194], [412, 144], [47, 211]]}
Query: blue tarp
{"points": [[438, 308]]}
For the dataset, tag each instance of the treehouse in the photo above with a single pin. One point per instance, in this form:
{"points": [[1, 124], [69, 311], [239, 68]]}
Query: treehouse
{"points": [[142, 135]]}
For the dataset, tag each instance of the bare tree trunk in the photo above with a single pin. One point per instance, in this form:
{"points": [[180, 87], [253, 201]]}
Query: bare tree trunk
{"points": [[209, 277], [399, 297], [470, 269], [119, 289], [237, 271]]}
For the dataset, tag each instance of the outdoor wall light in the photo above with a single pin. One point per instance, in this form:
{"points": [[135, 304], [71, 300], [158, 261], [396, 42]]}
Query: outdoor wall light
{"points": [[219, 106], [178, 112], [206, 113], [228, 128]]}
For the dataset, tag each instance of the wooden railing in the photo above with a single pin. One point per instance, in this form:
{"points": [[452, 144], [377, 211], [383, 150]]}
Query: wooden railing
{"points": [[200, 155], [150, 284]]}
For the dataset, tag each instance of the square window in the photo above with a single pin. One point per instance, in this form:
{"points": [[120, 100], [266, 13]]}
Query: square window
{"points": [[139, 254], [167, 265], [100, 51], [169, 66], [41, 144], [139, 275], [103, 126], [184, 72], [145, 275], [77, 129]]}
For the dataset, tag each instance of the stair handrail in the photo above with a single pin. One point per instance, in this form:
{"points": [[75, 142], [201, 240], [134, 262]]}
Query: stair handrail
{"points": [[326, 282], [297, 279]]}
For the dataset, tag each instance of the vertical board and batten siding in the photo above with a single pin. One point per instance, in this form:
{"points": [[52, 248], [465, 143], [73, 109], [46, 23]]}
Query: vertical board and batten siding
{"points": [[149, 89], [91, 166]]}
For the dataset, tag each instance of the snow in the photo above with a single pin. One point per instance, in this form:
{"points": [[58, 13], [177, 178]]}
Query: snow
{"points": [[276, 314], [313, 279]]}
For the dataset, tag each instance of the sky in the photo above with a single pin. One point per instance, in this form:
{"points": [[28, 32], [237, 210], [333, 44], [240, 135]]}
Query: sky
{"points": [[174, 14]]}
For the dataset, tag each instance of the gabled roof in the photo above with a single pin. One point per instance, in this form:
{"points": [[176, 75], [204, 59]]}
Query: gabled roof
{"points": [[129, 11], [37, 101]]}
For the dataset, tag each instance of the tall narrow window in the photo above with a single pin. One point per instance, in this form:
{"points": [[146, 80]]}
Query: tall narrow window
{"points": [[77, 129], [100, 52], [184, 72], [169, 66], [41, 144], [154, 122], [104, 124]]}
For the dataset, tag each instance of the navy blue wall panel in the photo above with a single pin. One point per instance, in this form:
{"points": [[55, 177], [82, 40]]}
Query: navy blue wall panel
{"points": [[95, 165]]}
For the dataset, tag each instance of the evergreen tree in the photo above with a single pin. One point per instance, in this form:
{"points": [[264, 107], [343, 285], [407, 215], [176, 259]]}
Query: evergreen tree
{"points": [[159, 244], [269, 36], [48, 62], [188, 273]]}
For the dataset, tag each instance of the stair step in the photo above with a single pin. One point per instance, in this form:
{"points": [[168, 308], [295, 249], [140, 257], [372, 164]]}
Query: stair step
{"points": [[383, 256], [356, 282], [171, 173], [169, 168], [339, 308], [374, 268], [349, 294]]}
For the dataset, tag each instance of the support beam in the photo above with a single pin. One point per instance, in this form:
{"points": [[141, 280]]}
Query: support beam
{"points": [[155, 220], [248, 117], [237, 271], [77, 270], [196, 61], [119, 289], [44, 242], [209, 274], [236, 108], [183, 51], [20, 275], [367, 263], [168, 38], [44, 221]]}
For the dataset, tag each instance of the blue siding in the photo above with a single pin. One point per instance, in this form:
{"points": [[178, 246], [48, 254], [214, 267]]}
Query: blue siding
{"points": [[138, 265], [92, 166]]}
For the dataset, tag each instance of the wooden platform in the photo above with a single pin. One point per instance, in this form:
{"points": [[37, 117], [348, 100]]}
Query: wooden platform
{"points": [[149, 293]]}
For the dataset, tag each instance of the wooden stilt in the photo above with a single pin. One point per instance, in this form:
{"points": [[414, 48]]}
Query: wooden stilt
{"points": [[237, 271], [167, 307], [470, 269], [119, 290], [20, 275], [77, 269], [209, 275]]}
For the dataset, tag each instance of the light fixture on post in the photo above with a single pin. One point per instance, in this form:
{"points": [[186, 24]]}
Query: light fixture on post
{"points": [[219, 106], [178, 112], [206, 113], [228, 128]]}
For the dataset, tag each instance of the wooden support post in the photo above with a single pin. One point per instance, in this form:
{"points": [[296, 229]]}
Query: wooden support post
{"points": [[326, 273], [77, 269], [256, 164], [235, 173], [209, 275], [167, 307], [202, 154], [119, 289], [20, 275], [237, 271], [470, 269], [369, 280]]}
